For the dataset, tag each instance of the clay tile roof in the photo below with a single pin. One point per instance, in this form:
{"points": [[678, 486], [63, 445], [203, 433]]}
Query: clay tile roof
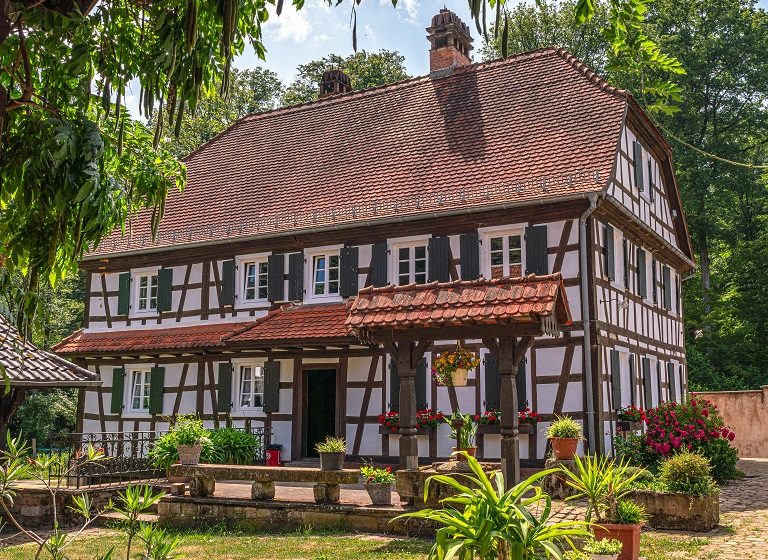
{"points": [[27, 366], [297, 324], [146, 340], [533, 126], [459, 303]]}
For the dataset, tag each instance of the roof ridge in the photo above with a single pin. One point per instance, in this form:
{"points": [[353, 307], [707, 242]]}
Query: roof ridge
{"points": [[584, 69]]}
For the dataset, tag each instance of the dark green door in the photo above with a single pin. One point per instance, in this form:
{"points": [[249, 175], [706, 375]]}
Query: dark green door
{"points": [[321, 407]]}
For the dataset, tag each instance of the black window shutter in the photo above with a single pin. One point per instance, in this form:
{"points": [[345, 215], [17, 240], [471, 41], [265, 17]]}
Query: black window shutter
{"points": [[439, 259], [658, 381], [379, 264], [666, 288], [275, 281], [637, 150], [625, 251], [642, 283], [348, 284], [632, 380], [296, 276], [521, 383], [123, 293], [677, 294], [651, 184], [469, 250], [672, 381], [421, 384], [492, 383], [616, 379], [653, 281], [647, 384], [156, 388], [164, 289], [228, 282], [271, 387], [224, 388], [118, 389], [610, 253], [536, 260], [394, 386]]}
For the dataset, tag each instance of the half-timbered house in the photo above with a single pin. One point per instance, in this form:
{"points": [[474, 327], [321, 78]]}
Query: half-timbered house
{"points": [[533, 165]]}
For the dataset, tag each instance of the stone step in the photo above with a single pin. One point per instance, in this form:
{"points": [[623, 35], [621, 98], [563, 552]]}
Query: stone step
{"points": [[110, 517]]}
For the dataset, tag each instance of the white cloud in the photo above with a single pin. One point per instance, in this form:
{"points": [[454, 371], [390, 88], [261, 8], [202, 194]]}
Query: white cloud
{"points": [[291, 25], [407, 10]]}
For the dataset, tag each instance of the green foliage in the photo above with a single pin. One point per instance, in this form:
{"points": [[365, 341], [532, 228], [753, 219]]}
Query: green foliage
{"points": [[629, 512], [687, 473], [576, 555], [722, 457], [465, 438], [564, 427], [603, 546], [229, 446], [374, 475], [45, 414], [365, 70], [332, 445], [189, 430], [484, 521]]}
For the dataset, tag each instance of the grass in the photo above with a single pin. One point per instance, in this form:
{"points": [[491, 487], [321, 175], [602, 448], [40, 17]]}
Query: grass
{"points": [[660, 546], [224, 544]]}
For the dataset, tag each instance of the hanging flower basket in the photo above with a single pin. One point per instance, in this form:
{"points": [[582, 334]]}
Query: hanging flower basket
{"points": [[451, 369]]}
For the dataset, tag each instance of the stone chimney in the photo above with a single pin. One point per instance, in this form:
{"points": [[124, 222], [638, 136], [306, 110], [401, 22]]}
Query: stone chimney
{"points": [[450, 43], [334, 82]]}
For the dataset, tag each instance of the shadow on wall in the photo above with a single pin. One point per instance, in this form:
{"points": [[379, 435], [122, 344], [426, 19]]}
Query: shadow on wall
{"points": [[746, 413]]}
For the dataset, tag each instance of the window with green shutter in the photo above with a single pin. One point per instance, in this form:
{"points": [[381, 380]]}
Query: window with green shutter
{"points": [[637, 154], [521, 384], [124, 293], [275, 277], [666, 288], [610, 252], [671, 381], [616, 379], [118, 391], [632, 380], [654, 281], [439, 249], [379, 258], [272, 386], [647, 384], [224, 387], [469, 253], [156, 390], [165, 289], [228, 282], [492, 383], [348, 260], [642, 281], [625, 254], [536, 248], [296, 276]]}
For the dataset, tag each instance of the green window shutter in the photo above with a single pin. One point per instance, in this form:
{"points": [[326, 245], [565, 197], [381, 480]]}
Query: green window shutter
{"points": [[348, 271], [421, 384], [439, 259], [275, 282], [666, 288], [632, 380], [637, 150], [654, 297], [625, 252], [651, 184], [224, 388], [228, 282], [672, 382], [536, 259], [677, 294], [394, 386], [616, 379], [469, 252], [118, 390], [610, 253], [658, 381], [124, 293], [642, 282], [492, 383], [156, 387], [271, 401], [521, 383], [296, 276], [379, 254], [164, 289], [647, 384]]}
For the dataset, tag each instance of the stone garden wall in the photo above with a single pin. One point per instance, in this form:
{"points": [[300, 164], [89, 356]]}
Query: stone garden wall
{"points": [[746, 413]]}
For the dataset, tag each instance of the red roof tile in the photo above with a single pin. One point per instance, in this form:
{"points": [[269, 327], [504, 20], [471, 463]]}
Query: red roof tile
{"points": [[459, 303], [297, 324], [141, 340], [536, 125]]}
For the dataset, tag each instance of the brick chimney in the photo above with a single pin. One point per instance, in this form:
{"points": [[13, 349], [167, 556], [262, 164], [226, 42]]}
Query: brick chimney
{"points": [[450, 43], [334, 82]]}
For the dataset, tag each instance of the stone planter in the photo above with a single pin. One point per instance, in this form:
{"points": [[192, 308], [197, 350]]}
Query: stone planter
{"points": [[332, 461], [189, 454], [564, 448], [628, 535], [380, 493], [679, 511]]}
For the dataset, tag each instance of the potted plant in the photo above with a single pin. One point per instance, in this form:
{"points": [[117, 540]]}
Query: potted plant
{"points": [[564, 434], [332, 451], [630, 418], [190, 436], [452, 368], [464, 431], [603, 549], [378, 484], [605, 484]]}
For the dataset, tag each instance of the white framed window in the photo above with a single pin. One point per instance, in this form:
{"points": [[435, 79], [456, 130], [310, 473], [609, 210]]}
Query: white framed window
{"points": [[411, 263], [503, 253], [250, 386], [139, 390], [253, 280], [325, 274], [145, 289]]}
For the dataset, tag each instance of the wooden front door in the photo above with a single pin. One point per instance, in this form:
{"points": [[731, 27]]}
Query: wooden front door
{"points": [[320, 411]]}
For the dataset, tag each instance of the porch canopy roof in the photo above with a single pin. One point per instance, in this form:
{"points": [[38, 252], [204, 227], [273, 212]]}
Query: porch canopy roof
{"points": [[526, 306]]}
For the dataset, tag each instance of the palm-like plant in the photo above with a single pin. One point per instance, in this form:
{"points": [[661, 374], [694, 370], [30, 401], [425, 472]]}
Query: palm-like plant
{"points": [[483, 521]]}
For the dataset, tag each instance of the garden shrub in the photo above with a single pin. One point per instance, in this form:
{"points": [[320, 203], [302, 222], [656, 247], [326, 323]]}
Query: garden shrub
{"points": [[695, 426], [687, 473], [231, 447]]}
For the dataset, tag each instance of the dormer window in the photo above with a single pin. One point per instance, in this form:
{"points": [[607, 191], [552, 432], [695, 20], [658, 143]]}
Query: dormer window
{"points": [[255, 280], [146, 292], [412, 265], [506, 255], [325, 275]]}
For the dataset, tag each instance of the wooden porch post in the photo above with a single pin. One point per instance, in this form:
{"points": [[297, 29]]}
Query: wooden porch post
{"points": [[406, 369], [510, 443]]}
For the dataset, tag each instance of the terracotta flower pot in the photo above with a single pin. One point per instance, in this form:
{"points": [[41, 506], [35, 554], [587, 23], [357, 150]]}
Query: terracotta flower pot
{"points": [[628, 535], [331, 461], [460, 456], [459, 377], [564, 448], [380, 493], [189, 454]]}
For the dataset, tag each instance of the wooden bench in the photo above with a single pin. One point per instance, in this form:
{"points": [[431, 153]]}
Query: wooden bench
{"points": [[202, 479]]}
